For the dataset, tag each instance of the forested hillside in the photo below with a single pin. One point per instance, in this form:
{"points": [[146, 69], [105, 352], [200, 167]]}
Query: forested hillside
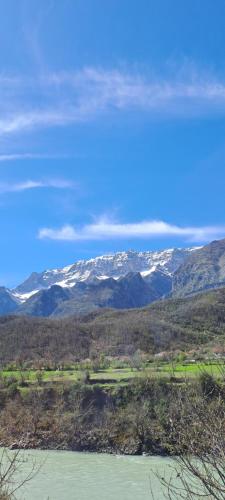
{"points": [[164, 325]]}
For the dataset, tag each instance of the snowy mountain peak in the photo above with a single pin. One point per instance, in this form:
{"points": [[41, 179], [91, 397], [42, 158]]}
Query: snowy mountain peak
{"points": [[103, 267]]}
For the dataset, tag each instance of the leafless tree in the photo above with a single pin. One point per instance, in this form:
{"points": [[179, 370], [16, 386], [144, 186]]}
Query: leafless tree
{"points": [[197, 427], [12, 476]]}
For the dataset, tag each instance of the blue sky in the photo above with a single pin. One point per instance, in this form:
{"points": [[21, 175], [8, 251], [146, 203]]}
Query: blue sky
{"points": [[112, 128]]}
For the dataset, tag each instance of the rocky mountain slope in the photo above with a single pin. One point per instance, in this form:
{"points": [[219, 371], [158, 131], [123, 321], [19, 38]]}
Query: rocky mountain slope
{"points": [[127, 292], [203, 269], [8, 304], [123, 280], [106, 266]]}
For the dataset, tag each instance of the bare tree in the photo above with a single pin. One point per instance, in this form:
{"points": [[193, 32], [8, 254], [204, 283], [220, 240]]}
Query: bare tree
{"points": [[12, 477], [197, 427]]}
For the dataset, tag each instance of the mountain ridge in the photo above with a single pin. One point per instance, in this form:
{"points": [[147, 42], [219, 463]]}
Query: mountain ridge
{"points": [[127, 292], [203, 270], [103, 267], [121, 281]]}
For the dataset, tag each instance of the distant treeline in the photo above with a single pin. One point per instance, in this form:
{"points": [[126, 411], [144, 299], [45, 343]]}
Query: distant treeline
{"points": [[166, 325]]}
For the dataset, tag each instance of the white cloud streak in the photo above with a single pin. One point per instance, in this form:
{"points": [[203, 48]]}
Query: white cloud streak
{"points": [[107, 230], [17, 187], [63, 99], [28, 156]]}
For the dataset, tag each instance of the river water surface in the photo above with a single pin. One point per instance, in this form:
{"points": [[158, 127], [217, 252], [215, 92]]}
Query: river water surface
{"points": [[86, 476]]}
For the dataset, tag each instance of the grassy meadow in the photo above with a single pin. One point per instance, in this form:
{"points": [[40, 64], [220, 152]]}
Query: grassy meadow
{"points": [[174, 372]]}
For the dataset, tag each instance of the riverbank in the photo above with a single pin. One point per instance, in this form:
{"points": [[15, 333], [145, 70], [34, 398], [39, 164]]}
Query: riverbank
{"points": [[132, 419], [85, 417]]}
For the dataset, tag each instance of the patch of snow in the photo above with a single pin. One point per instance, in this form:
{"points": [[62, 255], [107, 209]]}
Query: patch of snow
{"points": [[194, 248], [148, 271], [22, 297], [64, 284]]}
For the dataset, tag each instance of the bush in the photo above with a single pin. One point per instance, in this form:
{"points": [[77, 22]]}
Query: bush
{"points": [[208, 384], [84, 377]]}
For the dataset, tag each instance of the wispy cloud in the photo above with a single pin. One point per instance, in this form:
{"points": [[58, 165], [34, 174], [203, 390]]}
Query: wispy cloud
{"points": [[104, 229], [6, 187], [60, 99], [28, 156]]}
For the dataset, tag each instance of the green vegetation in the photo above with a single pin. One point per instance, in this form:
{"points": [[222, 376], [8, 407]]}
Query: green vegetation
{"points": [[162, 370], [180, 326], [131, 415], [109, 381]]}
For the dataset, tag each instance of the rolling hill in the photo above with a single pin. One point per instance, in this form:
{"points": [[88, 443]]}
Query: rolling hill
{"points": [[170, 324]]}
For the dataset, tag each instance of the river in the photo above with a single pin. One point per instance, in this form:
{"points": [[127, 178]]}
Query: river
{"points": [[86, 476]]}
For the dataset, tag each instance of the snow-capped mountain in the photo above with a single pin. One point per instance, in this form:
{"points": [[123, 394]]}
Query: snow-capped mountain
{"points": [[107, 266]]}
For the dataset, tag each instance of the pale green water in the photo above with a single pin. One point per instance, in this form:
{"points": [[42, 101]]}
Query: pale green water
{"points": [[83, 476]]}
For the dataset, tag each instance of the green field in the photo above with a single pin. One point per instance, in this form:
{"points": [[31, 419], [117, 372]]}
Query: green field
{"points": [[172, 371]]}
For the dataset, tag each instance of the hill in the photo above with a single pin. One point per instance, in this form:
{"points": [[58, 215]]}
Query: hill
{"points": [[171, 324]]}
